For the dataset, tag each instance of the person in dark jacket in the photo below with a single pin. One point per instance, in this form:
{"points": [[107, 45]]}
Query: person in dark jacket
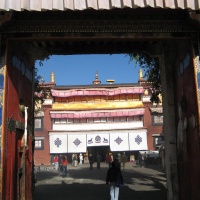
{"points": [[140, 159], [98, 160], [117, 163], [91, 161], [114, 178]]}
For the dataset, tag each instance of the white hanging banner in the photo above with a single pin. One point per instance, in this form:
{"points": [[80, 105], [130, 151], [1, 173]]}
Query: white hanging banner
{"points": [[58, 143], [77, 143], [119, 142], [98, 140], [138, 140]]}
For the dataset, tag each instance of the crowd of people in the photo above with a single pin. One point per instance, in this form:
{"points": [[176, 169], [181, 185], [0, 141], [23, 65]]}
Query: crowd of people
{"points": [[115, 165], [60, 163], [78, 159]]}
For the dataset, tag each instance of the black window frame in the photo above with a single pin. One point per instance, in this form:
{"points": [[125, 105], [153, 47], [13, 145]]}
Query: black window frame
{"points": [[153, 121], [42, 123], [42, 144]]}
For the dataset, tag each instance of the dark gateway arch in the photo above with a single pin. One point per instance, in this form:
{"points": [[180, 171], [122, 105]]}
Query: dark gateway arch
{"points": [[36, 29]]}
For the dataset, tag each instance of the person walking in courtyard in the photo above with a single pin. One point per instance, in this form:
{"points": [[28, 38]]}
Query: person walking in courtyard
{"points": [[98, 160], [109, 159], [145, 159], [119, 157], [140, 159], [117, 163], [64, 166], [80, 159], [73, 159], [59, 162], [115, 179], [56, 162], [91, 161], [123, 160]]}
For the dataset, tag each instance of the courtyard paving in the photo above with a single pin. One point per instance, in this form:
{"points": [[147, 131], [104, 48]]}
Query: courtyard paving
{"points": [[140, 183]]}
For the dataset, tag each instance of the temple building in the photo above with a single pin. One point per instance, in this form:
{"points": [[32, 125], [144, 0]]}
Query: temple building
{"points": [[95, 118]]}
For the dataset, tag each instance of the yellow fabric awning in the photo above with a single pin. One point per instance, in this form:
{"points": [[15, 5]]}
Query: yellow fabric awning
{"points": [[97, 106]]}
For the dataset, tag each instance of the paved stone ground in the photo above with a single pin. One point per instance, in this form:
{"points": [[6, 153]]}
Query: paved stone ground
{"points": [[82, 184]]}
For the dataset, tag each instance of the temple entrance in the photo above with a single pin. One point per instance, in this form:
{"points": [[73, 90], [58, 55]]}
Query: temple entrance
{"points": [[115, 31], [101, 150]]}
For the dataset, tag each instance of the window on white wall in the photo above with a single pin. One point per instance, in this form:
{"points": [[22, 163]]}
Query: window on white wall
{"points": [[110, 119], [63, 121], [136, 118], [130, 118], [97, 120], [103, 119], [76, 121], [84, 120], [116, 119], [123, 119], [56, 121], [90, 120], [70, 121]]}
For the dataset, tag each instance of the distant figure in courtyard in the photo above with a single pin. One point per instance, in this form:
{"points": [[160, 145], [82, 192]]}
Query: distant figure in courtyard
{"points": [[98, 160], [145, 159], [115, 179], [64, 163], [123, 160], [81, 159], [91, 161], [109, 159], [162, 155], [140, 159], [117, 163], [56, 162], [59, 163], [119, 157], [73, 159]]}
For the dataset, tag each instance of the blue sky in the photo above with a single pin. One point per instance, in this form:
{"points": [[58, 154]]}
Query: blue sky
{"points": [[81, 69]]}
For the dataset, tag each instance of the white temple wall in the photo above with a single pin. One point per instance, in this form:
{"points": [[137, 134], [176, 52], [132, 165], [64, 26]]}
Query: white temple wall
{"points": [[98, 126]]}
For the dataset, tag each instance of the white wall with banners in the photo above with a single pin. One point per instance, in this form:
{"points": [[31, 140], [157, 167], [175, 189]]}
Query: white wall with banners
{"points": [[118, 140]]}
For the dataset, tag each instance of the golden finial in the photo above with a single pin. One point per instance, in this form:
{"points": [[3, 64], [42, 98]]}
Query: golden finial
{"points": [[96, 81], [52, 77], [96, 75], [140, 74]]}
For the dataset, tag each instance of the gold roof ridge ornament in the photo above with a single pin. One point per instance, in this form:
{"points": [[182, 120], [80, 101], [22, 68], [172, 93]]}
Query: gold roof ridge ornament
{"points": [[110, 81]]}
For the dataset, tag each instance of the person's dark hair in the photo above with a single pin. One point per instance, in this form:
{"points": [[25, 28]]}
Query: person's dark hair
{"points": [[113, 164]]}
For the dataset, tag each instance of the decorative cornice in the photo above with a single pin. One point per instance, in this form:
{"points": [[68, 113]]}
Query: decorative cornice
{"points": [[150, 24], [124, 31]]}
